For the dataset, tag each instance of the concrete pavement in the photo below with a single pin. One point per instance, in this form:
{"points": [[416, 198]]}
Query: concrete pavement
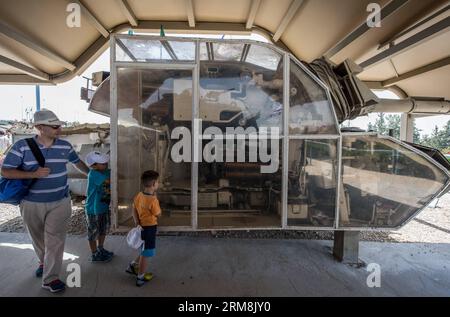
{"points": [[188, 266]]}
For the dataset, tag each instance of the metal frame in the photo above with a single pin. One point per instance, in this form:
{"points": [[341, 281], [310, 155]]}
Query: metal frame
{"points": [[195, 139], [336, 137], [286, 137], [177, 65], [285, 155], [113, 133], [201, 40]]}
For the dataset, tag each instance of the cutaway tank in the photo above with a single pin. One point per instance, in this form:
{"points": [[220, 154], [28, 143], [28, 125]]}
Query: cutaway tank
{"points": [[245, 136]]}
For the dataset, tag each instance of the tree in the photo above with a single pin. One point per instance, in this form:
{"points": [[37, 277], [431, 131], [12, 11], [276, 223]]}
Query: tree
{"points": [[380, 124], [393, 123], [439, 139], [383, 124], [445, 136]]}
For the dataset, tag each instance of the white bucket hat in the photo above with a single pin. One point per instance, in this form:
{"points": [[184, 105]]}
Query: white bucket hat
{"points": [[96, 157], [46, 117]]}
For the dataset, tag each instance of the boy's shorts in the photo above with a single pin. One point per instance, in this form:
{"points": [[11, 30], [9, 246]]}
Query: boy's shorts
{"points": [[98, 225], [148, 234]]}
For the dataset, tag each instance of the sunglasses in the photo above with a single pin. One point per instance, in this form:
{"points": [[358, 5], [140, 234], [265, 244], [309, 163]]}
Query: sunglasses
{"points": [[54, 127]]}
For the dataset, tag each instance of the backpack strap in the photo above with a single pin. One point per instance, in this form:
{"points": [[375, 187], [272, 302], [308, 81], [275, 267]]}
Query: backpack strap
{"points": [[36, 151], [37, 155]]}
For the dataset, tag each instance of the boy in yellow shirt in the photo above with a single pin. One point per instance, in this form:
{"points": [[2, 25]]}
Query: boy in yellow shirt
{"points": [[146, 211]]}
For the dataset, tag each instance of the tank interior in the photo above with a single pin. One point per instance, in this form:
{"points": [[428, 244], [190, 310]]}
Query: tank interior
{"points": [[211, 169]]}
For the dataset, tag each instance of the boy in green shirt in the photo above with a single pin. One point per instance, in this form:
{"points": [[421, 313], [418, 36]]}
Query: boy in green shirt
{"points": [[97, 205]]}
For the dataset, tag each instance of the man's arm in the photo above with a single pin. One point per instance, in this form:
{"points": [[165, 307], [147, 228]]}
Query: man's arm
{"points": [[75, 160], [12, 173], [14, 159], [82, 167]]}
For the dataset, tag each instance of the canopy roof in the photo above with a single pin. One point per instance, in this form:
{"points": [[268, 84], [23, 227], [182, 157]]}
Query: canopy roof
{"points": [[410, 52]]}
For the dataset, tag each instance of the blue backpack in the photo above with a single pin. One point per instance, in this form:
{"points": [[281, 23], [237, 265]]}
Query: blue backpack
{"points": [[12, 191]]}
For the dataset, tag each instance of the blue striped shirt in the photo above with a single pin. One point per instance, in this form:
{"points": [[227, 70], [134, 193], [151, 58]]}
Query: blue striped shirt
{"points": [[54, 187]]}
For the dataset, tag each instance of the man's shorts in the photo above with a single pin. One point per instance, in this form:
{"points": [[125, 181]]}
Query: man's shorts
{"points": [[98, 225], [148, 234]]}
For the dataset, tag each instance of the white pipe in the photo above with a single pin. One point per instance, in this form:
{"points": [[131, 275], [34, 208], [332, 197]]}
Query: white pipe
{"points": [[413, 105]]}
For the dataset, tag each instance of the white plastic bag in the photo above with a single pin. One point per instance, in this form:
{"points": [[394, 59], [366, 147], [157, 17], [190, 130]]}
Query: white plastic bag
{"points": [[134, 237]]}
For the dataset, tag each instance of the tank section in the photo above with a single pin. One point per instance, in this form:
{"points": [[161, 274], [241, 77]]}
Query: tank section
{"points": [[262, 148]]}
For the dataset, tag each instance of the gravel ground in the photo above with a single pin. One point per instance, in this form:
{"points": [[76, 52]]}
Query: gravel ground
{"points": [[432, 225]]}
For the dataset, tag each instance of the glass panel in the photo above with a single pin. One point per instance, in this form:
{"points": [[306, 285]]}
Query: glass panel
{"points": [[184, 51], [145, 119], [240, 193], [312, 174], [310, 110], [142, 50], [234, 189], [384, 183], [263, 56], [239, 94], [221, 51]]}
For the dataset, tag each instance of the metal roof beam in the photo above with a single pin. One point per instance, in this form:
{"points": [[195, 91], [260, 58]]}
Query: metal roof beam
{"points": [[22, 79], [252, 14], [33, 45], [374, 85], [127, 12], [410, 42], [418, 71], [190, 13], [415, 26], [386, 11], [295, 5], [92, 19], [24, 68]]}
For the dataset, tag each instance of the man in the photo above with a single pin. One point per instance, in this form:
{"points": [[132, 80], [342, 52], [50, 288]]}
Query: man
{"points": [[46, 209]]}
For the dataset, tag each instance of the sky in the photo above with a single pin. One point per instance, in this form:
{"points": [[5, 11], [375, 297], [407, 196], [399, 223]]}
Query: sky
{"points": [[18, 102]]}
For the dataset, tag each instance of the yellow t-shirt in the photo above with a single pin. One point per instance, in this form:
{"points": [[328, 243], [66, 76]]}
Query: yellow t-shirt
{"points": [[147, 207]]}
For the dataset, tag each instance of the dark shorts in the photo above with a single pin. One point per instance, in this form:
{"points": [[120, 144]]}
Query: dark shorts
{"points": [[148, 234], [97, 225]]}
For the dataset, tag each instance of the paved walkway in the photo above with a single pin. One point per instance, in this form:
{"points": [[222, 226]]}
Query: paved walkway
{"points": [[186, 266]]}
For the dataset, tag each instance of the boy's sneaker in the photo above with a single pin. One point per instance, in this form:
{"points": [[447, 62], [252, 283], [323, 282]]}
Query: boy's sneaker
{"points": [[100, 257], [132, 268], [55, 286], [142, 280], [40, 270], [106, 252], [148, 276]]}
